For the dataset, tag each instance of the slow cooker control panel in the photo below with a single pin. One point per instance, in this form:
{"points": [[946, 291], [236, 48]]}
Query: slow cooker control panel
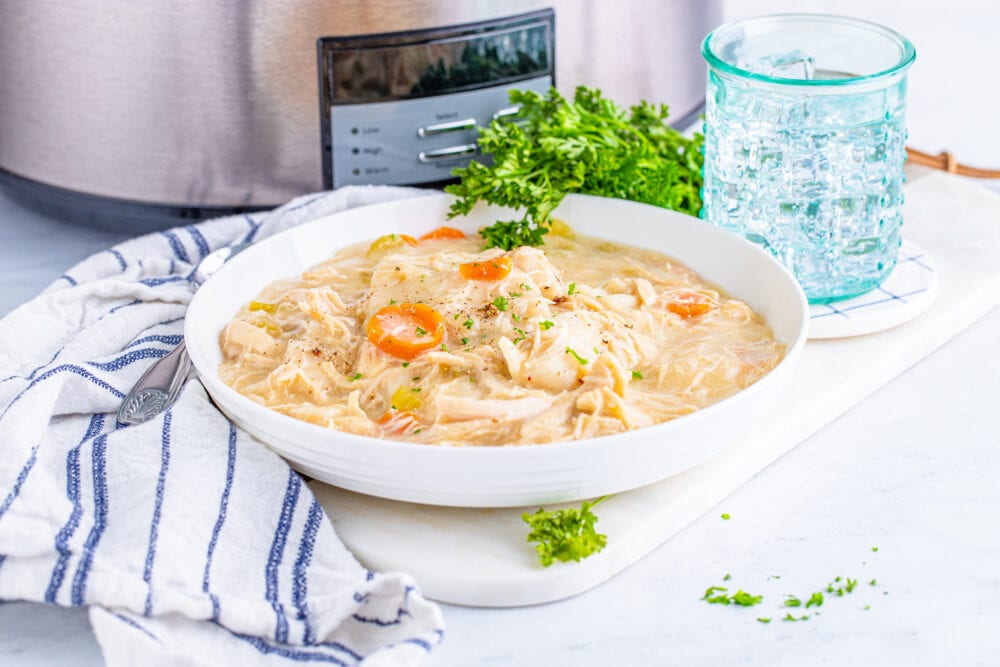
{"points": [[405, 108]]}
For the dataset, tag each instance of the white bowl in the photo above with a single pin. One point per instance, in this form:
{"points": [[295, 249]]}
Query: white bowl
{"points": [[515, 475]]}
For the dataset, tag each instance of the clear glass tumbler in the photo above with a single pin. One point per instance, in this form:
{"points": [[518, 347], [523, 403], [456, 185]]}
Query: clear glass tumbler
{"points": [[804, 144]]}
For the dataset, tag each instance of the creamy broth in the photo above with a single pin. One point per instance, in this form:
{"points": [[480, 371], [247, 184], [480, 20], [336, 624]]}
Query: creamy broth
{"points": [[438, 342]]}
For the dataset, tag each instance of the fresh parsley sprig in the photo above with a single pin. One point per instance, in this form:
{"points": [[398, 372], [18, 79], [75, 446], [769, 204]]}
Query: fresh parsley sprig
{"points": [[566, 534], [589, 145]]}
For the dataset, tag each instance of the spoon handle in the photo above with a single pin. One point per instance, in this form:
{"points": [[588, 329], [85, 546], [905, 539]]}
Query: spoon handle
{"points": [[157, 389]]}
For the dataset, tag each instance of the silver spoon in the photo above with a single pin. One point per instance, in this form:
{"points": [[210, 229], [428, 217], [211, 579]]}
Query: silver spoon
{"points": [[159, 386]]}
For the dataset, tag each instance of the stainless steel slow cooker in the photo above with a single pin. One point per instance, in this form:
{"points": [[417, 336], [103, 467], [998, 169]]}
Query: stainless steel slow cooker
{"points": [[140, 115]]}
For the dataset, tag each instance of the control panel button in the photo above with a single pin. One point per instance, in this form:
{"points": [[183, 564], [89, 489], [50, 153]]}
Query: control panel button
{"points": [[508, 113], [443, 128], [450, 153]]}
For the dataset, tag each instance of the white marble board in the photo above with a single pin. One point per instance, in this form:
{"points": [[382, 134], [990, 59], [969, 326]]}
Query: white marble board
{"points": [[479, 557]]}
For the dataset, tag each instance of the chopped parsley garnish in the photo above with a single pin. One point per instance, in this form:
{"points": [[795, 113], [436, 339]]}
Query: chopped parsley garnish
{"points": [[815, 600], [744, 599], [415, 390], [764, 619], [872, 582], [405, 364], [545, 324], [421, 332], [572, 289], [576, 356], [458, 315], [444, 348], [793, 601], [874, 548], [717, 595], [636, 375], [392, 301], [725, 516], [500, 303], [851, 585], [727, 577], [789, 617], [416, 377], [526, 287], [515, 317], [465, 341], [566, 534], [468, 324], [514, 294], [356, 376]]}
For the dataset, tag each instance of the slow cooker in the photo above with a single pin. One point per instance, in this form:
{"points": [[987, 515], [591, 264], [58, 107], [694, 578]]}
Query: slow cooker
{"points": [[142, 115]]}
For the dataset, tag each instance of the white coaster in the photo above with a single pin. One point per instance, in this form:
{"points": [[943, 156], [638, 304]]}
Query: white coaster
{"points": [[905, 293]]}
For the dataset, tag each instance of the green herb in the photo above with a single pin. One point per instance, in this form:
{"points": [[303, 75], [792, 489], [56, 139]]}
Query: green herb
{"points": [[514, 294], [727, 577], [405, 364], [636, 375], [589, 145], [415, 390], [416, 377], [712, 595], [545, 324], [392, 301], [421, 331], [525, 286], [789, 617], [725, 516], [468, 324], [744, 599], [566, 534], [356, 376], [417, 430], [444, 348], [764, 619], [717, 595], [872, 582], [815, 600], [500, 303], [521, 335], [867, 607], [793, 601], [582, 361], [465, 341], [851, 585], [572, 289], [874, 548], [457, 315]]}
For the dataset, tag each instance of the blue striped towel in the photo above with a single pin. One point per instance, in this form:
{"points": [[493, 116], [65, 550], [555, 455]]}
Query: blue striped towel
{"points": [[189, 540]]}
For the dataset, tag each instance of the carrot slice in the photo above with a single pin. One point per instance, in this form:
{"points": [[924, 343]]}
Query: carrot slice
{"points": [[488, 269], [688, 304], [398, 422], [405, 330], [443, 233]]}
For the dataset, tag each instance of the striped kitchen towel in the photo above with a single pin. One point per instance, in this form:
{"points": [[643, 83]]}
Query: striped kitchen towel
{"points": [[191, 542]]}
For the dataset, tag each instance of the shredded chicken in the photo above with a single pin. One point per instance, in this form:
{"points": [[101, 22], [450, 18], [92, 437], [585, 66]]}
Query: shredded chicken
{"points": [[580, 339]]}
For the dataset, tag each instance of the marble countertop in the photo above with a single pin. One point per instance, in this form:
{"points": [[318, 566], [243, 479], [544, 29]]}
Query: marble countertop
{"points": [[912, 471]]}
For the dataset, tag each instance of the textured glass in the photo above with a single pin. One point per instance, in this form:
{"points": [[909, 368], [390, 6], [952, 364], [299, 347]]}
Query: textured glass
{"points": [[807, 161]]}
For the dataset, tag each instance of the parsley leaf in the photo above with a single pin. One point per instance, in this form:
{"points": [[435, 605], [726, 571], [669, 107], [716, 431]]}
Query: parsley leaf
{"points": [[356, 376], [572, 289], [566, 534], [636, 375], [500, 303], [588, 145], [582, 361], [725, 516], [545, 324]]}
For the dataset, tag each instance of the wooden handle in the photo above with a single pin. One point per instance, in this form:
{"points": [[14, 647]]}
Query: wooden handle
{"points": [[947, 162]]}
